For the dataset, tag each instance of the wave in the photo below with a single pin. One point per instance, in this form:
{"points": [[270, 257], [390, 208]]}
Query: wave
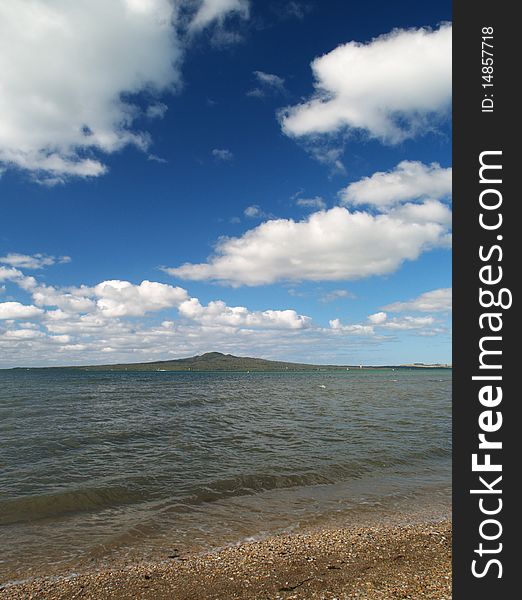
{"points": [[33, 508], [161, 493]]}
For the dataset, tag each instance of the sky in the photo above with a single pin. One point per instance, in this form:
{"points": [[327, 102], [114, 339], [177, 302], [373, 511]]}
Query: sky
{"points": [[267, 179]]}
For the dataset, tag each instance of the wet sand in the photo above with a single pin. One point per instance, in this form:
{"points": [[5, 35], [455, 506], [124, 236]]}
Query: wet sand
{"points": [[389, 561]]}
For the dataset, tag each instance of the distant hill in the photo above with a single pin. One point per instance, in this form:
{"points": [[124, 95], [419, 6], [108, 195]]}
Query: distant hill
{"points": [[216, 361], [210, 361]]}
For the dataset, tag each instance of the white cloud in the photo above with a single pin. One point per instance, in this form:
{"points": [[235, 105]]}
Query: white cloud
{"points": [[269, 79], [329, 245], [143, 342], [254, 212], [59, 339], [98, 306], [97, 318], [121, 298], [222, 154], [23, 334], [88, 326], [16, 310], [421, 325], [75, 301], [408, 322], [217, 313], [389, 88], [35, 261], [211, 11], [430, 211], [158, 159], [405, 323], [378, 318], [357, 329], [433, 301], [71, 73], [339, 243], [9, 274], [316, 202], [409, 180], [74, 348], [82, 325], [65, 69], [113, 298]]}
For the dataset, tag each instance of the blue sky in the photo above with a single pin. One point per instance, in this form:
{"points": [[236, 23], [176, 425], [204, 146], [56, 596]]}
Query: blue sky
{"points": [[275, 209]]}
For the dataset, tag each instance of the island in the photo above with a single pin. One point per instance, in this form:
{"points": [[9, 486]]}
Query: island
{"points": [[217, 361]]}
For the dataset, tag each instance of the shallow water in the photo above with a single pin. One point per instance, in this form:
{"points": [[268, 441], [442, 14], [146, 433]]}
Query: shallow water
{"points": [[95, 465]]}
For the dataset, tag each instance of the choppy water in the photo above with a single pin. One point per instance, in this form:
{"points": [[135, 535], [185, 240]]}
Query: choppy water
{"points": [[101, 464]]}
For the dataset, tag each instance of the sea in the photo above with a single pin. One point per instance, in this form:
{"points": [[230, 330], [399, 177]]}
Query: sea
{"points": [[106, 466]]}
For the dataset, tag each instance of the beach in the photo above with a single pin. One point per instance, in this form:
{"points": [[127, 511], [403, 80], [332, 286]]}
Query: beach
{"points": [[387, 561]]}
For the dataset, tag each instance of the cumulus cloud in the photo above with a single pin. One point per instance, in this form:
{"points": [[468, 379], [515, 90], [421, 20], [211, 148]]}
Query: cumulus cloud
{"points": [[93, 307], [390, 88], [409, 180], [68, 71], [378, 318], [381, 322], [72, 73], [329, 245], [80, 325], [133, 341], [16, 310], [409, 215], [121, 298], [218, 313], [9, 274], [71, 302], [34, 261], [432, 301], [114, 298], [357, 329], [23, 334], [91, 320], [430, 211]]}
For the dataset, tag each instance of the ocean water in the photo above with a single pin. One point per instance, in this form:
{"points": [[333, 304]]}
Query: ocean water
{"points": [[99, 466]]}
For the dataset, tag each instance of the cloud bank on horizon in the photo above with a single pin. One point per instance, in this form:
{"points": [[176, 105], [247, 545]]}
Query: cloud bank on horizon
{"points": [[86, 322]]}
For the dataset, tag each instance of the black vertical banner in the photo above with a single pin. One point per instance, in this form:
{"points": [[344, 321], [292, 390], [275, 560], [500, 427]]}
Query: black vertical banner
{"points": [[486, 255]]}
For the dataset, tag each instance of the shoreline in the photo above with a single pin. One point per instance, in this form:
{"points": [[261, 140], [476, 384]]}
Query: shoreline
{"points": [[402, 559]]}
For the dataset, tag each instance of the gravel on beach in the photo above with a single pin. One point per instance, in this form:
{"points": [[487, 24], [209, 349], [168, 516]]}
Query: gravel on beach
{"points": [[396, 562]]}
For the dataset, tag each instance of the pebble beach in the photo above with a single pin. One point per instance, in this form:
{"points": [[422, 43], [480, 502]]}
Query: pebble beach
{"points": [[390, 561]]}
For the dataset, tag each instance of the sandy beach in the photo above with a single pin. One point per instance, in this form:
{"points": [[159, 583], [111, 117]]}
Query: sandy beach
{"points": [[390, 561]]}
